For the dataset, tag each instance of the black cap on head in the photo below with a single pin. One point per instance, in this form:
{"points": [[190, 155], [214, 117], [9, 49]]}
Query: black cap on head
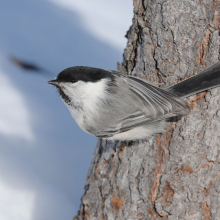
{"points": [[83, 73]]}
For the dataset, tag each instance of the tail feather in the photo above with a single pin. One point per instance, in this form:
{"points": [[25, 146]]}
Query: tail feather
{"points": [[207, 79]]}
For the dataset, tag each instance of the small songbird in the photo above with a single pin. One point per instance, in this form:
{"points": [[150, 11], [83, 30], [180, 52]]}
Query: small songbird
{"points": [[114, 106]]}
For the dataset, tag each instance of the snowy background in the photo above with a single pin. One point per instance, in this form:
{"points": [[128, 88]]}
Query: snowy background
{"points": [[44, 156]]}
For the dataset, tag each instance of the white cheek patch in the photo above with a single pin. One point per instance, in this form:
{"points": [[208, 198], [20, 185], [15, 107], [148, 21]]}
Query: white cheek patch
{"points": [[93, 90], [85, 90], [92, 94], [87, 96]]}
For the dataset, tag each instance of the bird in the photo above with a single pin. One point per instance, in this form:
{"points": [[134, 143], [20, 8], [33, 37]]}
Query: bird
{"points": [[113, 106]]}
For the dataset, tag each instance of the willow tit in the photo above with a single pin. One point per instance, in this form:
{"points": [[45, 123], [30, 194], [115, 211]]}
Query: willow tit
{"points": [[114, 106]]}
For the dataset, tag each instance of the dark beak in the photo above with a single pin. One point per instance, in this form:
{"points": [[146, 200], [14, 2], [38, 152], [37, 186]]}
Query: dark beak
{"points": [[53, 82]]}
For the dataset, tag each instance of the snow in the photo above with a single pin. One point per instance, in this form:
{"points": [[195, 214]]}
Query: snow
{"points": [[44, 155], [106, 20], [13, 111], [15, 204]]}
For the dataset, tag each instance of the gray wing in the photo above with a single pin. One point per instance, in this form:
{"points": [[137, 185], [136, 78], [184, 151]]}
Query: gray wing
{"points": [[157, 101], [152, 104]]}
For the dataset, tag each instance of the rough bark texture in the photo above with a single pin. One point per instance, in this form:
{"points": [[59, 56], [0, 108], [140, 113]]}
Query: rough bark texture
{"points": [[174, 175]]}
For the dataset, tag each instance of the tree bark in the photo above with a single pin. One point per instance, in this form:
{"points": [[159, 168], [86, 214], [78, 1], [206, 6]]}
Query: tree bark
{"points": [[174, 175]]}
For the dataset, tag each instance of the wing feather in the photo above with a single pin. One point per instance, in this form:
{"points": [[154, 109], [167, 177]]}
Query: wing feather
{"points": [[161, 102], [152, 104]]}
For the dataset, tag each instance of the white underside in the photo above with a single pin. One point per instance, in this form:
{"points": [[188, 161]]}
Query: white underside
{"points": [[140, 132]]}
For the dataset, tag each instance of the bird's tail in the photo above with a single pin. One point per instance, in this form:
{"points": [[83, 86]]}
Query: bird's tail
{"points": [[207, 79]]}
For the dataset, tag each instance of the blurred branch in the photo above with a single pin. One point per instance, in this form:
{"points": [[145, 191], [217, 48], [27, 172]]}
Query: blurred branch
{"points": [[28, 66]]}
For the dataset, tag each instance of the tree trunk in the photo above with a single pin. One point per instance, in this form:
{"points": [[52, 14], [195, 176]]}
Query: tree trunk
{"points": [[174, 175]]}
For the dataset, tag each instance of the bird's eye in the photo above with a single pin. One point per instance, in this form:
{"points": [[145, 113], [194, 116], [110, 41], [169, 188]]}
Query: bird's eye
{"points": [[73, 80]]}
